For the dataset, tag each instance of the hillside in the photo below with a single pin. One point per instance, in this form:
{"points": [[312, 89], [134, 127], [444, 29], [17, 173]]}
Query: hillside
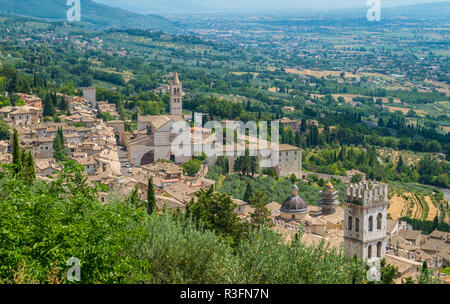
{"points": [[389, 7], [92, 14], [440, 9]]}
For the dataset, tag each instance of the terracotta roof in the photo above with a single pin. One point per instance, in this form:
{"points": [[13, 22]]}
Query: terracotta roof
{"points": [[436, 234], [410, 235], [158, 120], [390, 225], [286, 147]]}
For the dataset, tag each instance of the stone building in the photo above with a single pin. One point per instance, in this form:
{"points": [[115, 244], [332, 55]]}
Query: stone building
{"points": [[290, 123], [290, 161], [25, 116], [90, 95], [176, 97], [365, 215], [31, 100], [154, 140], [119, 131]]}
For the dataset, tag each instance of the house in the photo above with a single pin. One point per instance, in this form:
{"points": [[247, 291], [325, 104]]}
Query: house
{"points": [[289, 123], [24, 116], [31, 100], [47, 167], [90, 164], [274, 209], [164, 171], [43, 148], [412, 236], [288, 109], [440, 235], [393, 227]]}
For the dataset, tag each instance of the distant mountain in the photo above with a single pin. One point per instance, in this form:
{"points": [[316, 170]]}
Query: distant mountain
{"points": [[164, 6], [168, 7], [439, 9], [92, 13]]}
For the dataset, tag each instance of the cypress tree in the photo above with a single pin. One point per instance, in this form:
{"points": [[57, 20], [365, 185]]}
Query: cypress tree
{"points": [[151, 208], [17, 160], [29, 172], [48, 109], [248, 193], [133, 197]]}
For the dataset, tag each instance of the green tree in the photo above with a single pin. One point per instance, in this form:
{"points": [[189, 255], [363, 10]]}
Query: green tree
{"points": [[48, 108], [260, 217], [246, 164], [388, 272], [293, 178], [215, 211], [435, 222], [356, 178], [192, 167], [29, 171], [4, 130], [426, 276], [248, 193], [133, 197], [60, 152], [17, 158], [151, 199]]}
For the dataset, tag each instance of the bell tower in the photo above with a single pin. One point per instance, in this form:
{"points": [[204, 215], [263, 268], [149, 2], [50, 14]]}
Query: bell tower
{"points": [[176, 96], [365, 220]]}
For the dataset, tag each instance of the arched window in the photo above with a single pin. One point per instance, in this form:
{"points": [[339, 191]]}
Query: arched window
{"points": [[379, 219], [357, 224], [350, 223], [369, 251], [371, 223], [379, 249]]}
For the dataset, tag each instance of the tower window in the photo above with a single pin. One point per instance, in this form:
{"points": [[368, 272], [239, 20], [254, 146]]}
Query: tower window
{"points": [[379, 249], [379, 218], [369, 251], [357, 224], [371, 223], [350, 223]]}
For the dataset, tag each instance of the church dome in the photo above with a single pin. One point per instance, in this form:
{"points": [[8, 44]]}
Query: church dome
{"points": [[294, 204]]}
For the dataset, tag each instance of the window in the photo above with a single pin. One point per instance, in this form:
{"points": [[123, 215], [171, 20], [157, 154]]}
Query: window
{"points": [[357, 224], [350, 223], [379, 249], [379, 219], [371, 223], [369, 251]]}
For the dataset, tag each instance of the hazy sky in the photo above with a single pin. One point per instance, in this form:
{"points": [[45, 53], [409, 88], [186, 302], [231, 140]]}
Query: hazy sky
{"points": [[167, 6]]}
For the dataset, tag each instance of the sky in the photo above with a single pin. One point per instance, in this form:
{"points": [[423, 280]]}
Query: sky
{"points": [[177, 6]]}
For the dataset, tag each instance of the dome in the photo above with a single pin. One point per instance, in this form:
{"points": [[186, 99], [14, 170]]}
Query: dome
{"points": [[294, 204], [329, 185]]}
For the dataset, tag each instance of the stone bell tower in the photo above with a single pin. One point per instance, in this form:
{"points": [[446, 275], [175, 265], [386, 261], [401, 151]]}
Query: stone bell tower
{"points": [[176, 97], [365, 210]]}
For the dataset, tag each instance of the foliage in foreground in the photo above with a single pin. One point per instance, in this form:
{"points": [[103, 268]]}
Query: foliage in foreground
{"points": [[119, 242]]}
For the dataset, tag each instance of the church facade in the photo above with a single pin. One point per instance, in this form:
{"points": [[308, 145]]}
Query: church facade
{"points": [[154, 138]]}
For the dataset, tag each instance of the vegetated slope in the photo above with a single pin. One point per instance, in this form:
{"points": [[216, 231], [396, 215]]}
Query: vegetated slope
{"points": [[92, 14]]}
